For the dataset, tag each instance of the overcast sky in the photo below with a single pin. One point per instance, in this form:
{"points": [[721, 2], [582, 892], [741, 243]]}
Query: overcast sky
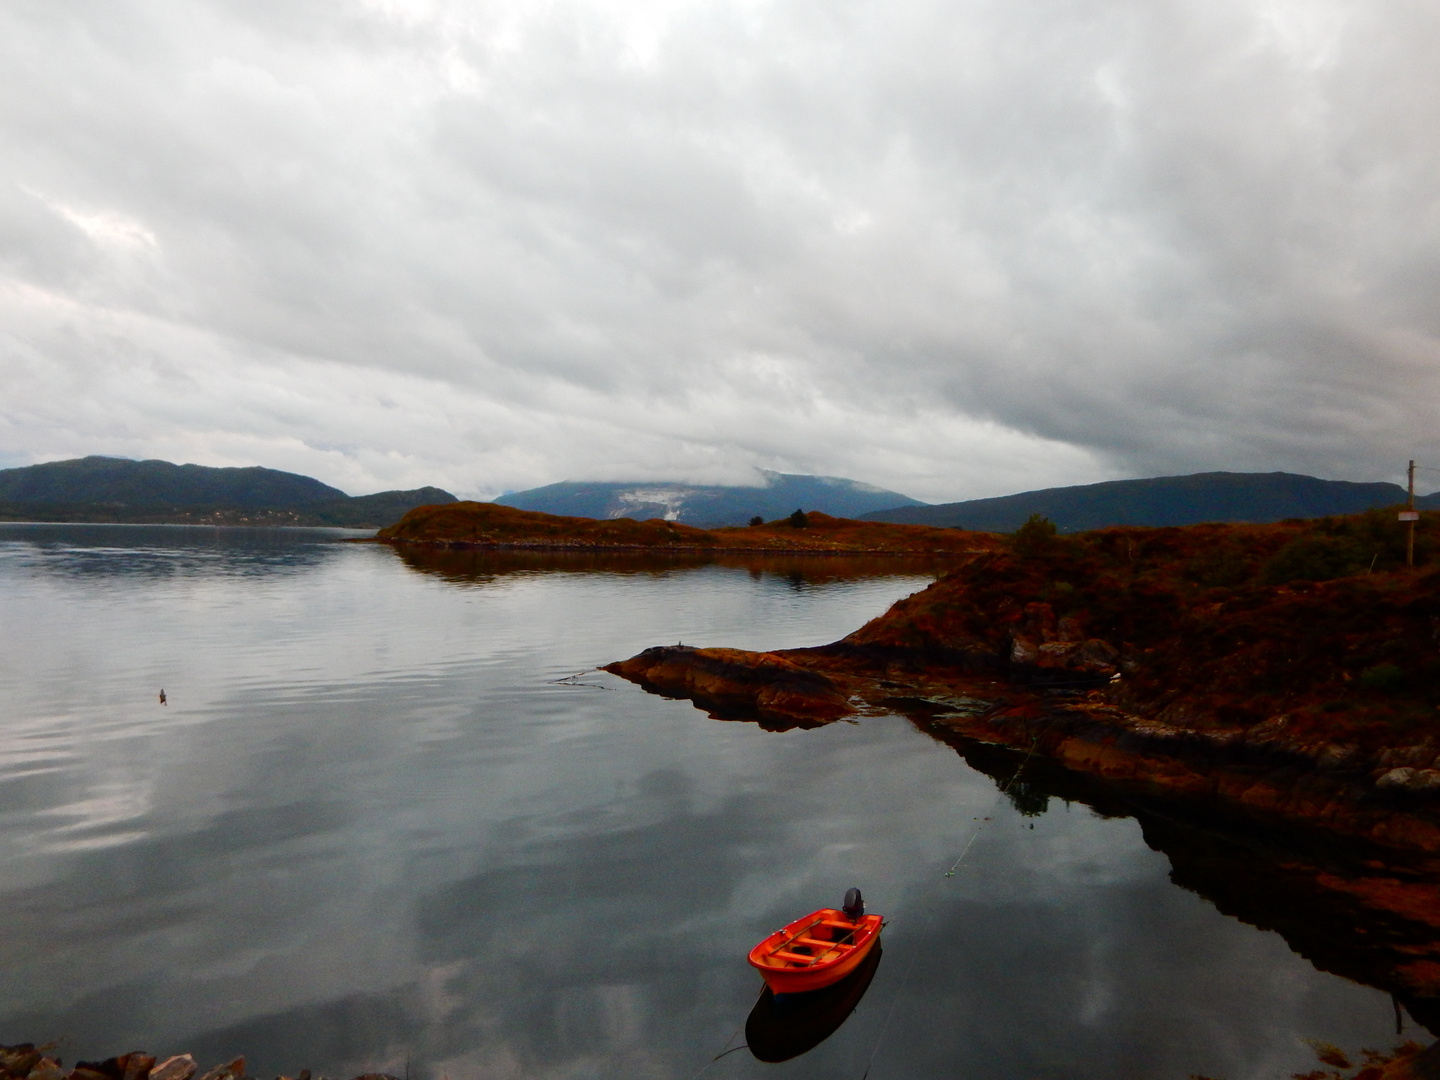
{"points": [[952, 247]]}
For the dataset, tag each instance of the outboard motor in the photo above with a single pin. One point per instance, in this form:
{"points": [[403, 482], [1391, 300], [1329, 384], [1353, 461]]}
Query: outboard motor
{"points": [[854, 905]]}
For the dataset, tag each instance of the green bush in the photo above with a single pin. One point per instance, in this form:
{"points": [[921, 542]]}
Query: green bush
{"points": [[798, 520], [756, 520], [1316, 557], [1036, 537]]}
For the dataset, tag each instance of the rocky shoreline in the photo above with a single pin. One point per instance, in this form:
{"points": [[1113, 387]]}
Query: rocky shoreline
{"points": [[1387, 796], [26, 1061], [1116, 654]]}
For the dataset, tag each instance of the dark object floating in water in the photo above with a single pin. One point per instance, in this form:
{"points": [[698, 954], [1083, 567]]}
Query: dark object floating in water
{"points": [[817, 949], [785, 1026]]}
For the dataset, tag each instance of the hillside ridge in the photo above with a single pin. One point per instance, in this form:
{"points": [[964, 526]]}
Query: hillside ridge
{"points": [[109, 489], [1162, 501], [708, 505]]}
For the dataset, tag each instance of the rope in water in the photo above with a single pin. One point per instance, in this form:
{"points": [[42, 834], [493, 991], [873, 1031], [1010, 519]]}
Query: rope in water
{"points": [[727, 1042], [929, 915], [981, 822], [569, 680]]}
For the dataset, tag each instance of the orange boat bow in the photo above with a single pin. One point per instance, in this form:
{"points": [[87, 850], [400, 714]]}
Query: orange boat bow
{"points": [[815, 951]]}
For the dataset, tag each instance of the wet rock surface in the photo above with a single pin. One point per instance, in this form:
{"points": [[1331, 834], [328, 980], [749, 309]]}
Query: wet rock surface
{"points": [[26, 1061], [1114, 654], [733, 682]]}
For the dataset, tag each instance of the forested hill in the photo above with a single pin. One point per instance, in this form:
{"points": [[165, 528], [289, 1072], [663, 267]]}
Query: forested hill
{"points": [[121, 490], [1163, 500]]}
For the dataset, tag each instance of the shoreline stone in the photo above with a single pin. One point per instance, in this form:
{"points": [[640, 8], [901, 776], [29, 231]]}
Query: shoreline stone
{"points": [[26, 1061], [1258, 770]]}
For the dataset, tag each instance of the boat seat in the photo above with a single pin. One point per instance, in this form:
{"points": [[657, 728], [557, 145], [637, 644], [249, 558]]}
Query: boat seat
{"points": [[807, 940], [793, 957]]}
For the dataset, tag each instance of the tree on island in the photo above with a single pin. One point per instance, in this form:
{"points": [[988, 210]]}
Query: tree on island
{"points": [[799, 520], [1035, 537]]}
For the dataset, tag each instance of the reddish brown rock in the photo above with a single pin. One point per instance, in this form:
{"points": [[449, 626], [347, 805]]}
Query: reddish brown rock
{"points": [[179, 1067], [733, 681], [18, 1060], [233, 1070]]}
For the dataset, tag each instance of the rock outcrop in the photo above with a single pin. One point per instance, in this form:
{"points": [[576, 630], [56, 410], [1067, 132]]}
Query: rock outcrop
{"points": [[728, 682], [1118, 654], [26, 1061]]}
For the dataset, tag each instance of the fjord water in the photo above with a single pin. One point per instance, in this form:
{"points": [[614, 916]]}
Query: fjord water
{"points": [[377, 828]]}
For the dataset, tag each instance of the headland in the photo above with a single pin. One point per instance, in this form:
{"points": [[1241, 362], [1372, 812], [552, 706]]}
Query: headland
{"points": [[491, 526], [1247, 665]]}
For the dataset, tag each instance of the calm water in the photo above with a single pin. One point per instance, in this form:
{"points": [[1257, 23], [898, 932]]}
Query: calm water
{"points": [[374, 829]]}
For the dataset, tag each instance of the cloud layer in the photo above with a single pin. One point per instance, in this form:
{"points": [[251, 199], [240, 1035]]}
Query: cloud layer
{"points": [[956, 249]]}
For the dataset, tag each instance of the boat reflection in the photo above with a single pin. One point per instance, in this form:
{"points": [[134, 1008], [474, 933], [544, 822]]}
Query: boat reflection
{"points": [[784, 1027]]}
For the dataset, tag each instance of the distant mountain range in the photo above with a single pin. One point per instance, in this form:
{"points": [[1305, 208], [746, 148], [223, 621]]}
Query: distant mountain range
{"points": [[122, 490], [707, 506], [1163, 500]]}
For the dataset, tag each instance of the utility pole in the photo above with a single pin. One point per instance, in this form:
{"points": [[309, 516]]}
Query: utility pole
{"points": [[1409, 517]]}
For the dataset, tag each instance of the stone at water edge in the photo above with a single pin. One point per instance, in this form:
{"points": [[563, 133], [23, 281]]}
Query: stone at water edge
{"points": [[735, 678], [235, 1070], [19, 1060], [179, 1067]]}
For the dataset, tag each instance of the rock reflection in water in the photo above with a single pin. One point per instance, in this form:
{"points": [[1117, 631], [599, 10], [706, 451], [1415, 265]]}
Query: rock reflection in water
{"points": [[1362, 911], [479, 567], [784, 1027]]}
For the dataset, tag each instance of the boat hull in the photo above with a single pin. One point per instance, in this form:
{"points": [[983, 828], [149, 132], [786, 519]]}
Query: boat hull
{"points": [[784, 1027], [815, 951]]}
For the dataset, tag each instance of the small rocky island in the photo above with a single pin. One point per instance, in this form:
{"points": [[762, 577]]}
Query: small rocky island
{"points": [[490, 526]]}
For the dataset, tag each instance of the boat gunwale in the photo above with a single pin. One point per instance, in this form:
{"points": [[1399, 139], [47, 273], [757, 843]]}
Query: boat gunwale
{"points": [[764, 956]]}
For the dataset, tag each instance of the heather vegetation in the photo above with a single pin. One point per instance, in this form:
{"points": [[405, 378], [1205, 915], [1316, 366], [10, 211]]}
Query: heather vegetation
{"points": [[1214, 626], [491, 525]]}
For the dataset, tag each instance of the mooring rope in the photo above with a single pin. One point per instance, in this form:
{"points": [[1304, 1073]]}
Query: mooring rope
{"points": [[929, 915], [569, 680], [727, 1042]]}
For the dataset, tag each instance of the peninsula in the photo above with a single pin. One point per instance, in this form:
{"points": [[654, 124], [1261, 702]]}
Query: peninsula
{"points": [[479, 525], [1289, 669]]}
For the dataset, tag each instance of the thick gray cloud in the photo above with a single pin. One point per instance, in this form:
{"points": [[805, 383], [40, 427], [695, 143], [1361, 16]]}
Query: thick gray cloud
{"points": [[955, 248]]}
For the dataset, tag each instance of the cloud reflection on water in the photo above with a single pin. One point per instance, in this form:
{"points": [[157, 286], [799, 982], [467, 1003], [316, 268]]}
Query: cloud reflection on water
{"points": [[371, 830]]}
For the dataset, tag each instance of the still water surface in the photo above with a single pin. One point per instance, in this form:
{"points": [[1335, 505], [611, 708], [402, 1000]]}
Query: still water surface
{"points": [[376, 829]]}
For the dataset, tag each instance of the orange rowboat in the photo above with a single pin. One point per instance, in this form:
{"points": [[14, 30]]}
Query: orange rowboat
{"points": [[817, 950]]}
